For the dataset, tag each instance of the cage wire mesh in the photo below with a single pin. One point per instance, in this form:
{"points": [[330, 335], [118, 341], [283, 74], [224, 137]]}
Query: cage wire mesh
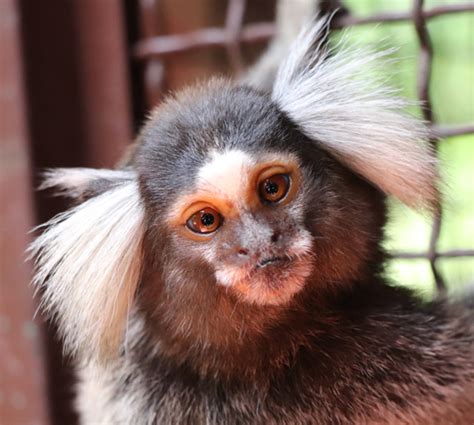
{"points": [[152, 50]]}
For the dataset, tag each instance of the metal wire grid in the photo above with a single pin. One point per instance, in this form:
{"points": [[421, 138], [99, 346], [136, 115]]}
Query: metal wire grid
{"points": [[150, 49]]}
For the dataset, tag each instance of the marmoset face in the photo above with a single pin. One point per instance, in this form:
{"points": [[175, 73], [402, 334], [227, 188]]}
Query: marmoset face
{"points": [[239, 192], [244, 217]]}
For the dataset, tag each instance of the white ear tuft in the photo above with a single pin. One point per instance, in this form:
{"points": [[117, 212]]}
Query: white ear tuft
{"points": [[88, 264], [338, 99], [77, 182]]}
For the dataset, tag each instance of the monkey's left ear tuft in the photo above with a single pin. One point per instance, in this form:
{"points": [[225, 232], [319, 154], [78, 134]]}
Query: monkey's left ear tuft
{"points": [[338, 98], [88, 260]]}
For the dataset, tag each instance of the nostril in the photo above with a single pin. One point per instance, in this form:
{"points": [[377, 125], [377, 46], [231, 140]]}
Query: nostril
{"points": [[243, 251], [275, 237]]}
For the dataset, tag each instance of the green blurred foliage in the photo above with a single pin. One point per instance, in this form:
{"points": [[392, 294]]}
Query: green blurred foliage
{"points": [[452, 93]]}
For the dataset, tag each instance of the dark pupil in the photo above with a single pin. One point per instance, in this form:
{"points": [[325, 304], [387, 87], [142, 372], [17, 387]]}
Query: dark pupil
{"points": [[207, 219], [271, 187]]}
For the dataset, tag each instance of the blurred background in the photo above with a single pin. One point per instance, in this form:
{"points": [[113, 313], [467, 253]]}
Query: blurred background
{"points": [[77, 78]]}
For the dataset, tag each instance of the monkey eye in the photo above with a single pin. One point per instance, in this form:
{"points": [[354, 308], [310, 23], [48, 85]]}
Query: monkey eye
{"points": [[205, 221], [274, 188]]}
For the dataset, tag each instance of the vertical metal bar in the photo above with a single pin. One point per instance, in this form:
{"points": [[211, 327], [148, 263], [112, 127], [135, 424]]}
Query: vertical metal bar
{"points": [[424, 79], [233, 25], [154, 69], [104, 80], [23, 386]]}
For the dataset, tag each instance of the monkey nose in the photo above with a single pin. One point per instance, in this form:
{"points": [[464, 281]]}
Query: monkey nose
{"points": [[275, 236], [243, 252]]}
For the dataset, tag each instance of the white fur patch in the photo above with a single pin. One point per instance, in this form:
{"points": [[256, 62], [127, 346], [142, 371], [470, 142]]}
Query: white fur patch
{"points": [[337, 98], [88, 263], [226, 173], [230, 275]]}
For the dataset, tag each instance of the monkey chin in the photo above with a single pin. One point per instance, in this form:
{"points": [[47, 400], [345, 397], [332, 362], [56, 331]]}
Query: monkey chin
{"points": [[273, 284]]}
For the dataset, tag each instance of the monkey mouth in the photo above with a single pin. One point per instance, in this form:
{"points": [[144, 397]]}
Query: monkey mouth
{"points": [[274, 260], [275, 279], [273, 269], [272, 280]]}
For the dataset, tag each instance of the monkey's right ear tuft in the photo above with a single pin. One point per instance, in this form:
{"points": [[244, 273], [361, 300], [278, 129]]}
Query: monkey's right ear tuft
{"points": [[88, 260], [83, 183]]}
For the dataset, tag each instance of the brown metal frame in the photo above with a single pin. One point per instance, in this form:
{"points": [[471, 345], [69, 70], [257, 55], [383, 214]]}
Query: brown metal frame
{"points": [[150, 49]]}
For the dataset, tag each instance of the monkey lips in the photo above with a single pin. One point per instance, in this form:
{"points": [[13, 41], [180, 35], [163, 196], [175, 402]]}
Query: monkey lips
{"points": [[271, 280]]}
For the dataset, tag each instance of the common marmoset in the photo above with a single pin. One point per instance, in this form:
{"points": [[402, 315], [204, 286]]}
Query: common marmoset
{"points": [[232, 271]]}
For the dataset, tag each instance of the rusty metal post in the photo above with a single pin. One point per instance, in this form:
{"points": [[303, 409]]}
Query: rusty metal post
{"points": [[22, 381], [154, 69], [104, 80]]}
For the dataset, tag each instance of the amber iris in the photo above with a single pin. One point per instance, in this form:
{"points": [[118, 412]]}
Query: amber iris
{"points": [[204, 221], [274, 188]]}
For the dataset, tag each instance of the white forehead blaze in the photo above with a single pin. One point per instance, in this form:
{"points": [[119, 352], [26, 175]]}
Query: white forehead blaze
{"points": [[226, 172]]}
